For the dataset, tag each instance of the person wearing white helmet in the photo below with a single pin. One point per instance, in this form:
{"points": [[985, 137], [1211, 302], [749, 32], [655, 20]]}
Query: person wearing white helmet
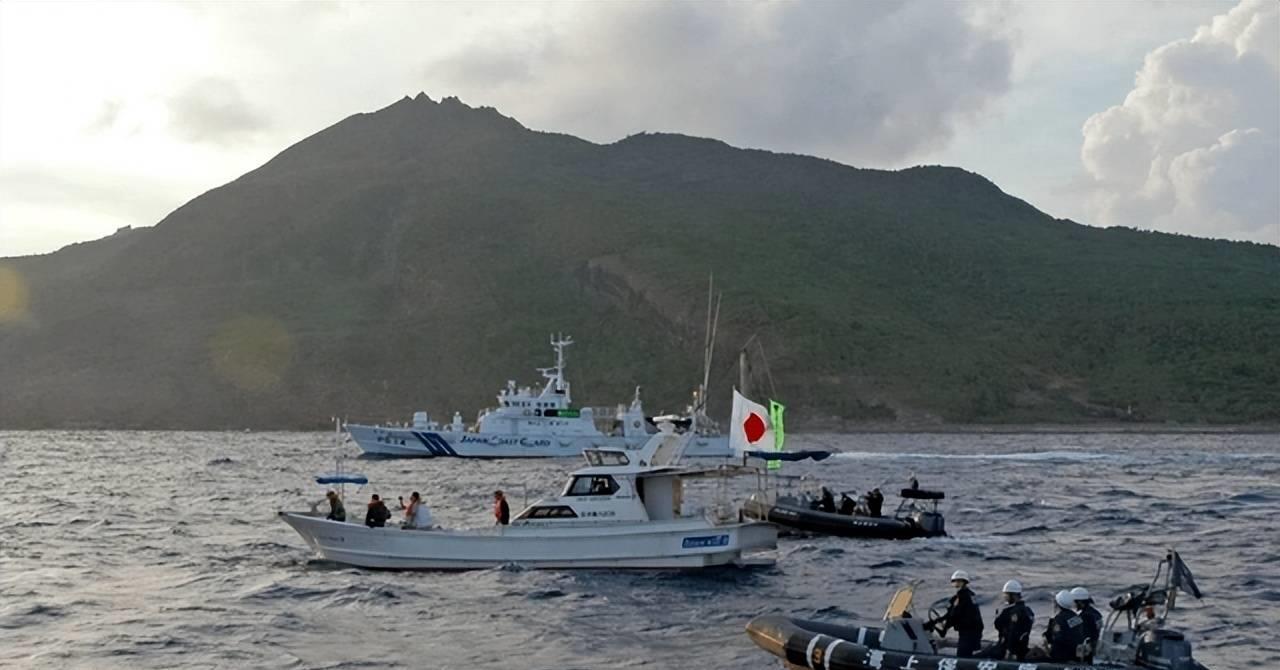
{"points": [[1092, 619], [1013, 624], [1066, 630], [963, 615]]}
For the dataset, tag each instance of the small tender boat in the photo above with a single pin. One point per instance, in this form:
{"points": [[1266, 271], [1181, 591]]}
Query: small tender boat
{"points": [[917, 515], [624, 510], [1134, 637]]}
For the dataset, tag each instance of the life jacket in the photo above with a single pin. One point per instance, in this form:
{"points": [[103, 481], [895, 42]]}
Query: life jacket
{"points": [[501, 511], [1066, 632], [963, 614], [1093, 621], [1014, 624]]}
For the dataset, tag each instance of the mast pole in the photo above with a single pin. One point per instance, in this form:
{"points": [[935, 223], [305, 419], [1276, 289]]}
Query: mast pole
{"points": [[711, 348], [706, 344]]}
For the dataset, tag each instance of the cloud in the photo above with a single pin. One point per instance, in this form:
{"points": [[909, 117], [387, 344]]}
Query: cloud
{"points": [[108, 114], [213, 110], [870, 83], [47, 185], [46, 205], [1195, 147]]}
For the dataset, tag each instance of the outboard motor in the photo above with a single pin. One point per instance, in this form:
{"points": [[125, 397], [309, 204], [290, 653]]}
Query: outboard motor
{"points": [[923, 507], [932, 523], [1166, 649]]}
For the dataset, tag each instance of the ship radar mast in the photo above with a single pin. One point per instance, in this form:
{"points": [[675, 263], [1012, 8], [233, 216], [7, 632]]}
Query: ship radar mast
{"points": [[555, 375]]}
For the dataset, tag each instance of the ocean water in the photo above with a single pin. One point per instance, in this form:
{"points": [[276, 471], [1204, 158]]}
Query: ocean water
{"points": [[162, 550]]}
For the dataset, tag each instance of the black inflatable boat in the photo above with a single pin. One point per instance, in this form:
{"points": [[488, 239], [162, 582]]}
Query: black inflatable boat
{"points": [[1129, 641], [917, 515]]}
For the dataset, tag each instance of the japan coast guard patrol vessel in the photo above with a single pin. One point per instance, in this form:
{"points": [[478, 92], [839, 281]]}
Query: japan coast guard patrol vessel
{"points": [[527, 423]]}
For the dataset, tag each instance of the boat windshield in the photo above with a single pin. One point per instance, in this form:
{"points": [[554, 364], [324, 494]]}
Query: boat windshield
{"points": [[548, 512], [605, 457], [592, 485]]}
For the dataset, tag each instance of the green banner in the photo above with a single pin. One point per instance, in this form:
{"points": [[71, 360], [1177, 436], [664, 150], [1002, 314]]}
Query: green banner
{"points": [[779, 435]]}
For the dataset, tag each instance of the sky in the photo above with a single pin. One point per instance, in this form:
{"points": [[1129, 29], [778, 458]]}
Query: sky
{"points": [[1154, 115]]}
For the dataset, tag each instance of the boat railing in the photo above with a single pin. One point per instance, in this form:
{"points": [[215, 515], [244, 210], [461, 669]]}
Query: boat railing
{"points": [[721, 513]]}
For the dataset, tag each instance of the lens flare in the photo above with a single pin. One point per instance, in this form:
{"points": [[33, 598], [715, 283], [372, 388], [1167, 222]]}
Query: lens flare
{"points": [[251, 352], [13, 295]]}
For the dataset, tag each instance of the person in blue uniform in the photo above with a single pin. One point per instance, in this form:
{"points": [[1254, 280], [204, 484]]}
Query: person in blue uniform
{"points": [[963, 615], [1065, 634], [1013, 624], [1093, 619]]}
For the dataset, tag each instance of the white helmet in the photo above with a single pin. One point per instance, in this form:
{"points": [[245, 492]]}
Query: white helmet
{"points": [[960, 575], [1079, 593], [1012, 586], [1064, 600]]}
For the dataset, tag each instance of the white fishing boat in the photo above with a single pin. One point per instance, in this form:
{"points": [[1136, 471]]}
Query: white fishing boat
{"points": [[624, 510], [531, 423]]}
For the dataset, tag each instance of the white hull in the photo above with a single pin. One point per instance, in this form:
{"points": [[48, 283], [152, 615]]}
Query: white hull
{"points": [[395, 441], [675, 544]]}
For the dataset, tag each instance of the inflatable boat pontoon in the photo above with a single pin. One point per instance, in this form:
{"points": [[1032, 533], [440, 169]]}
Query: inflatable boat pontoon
{"points": [[1134, 637], [917, 515]]}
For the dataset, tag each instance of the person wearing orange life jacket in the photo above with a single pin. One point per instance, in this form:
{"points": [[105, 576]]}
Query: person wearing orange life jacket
{"points": [[416, 513], [501, 511]]}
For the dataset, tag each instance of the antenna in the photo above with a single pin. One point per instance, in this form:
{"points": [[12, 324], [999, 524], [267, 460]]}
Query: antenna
{"points": [[767, 373], [745, 373], [709, 346], [706, 334], [556, 374]]}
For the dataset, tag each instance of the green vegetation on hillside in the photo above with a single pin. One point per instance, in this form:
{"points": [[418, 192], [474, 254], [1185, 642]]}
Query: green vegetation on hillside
{"points": [[419, 256]]}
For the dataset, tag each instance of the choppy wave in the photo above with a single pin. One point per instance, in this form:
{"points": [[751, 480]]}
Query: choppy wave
{"points": [[188, 566], [1055, 455]]}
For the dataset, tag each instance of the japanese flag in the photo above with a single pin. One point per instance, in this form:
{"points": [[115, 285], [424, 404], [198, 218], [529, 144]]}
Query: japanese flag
{"points": [[750, 428]]}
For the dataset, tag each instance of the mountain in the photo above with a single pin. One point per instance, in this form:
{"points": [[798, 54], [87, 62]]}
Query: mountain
{"points": [[420, 255]]}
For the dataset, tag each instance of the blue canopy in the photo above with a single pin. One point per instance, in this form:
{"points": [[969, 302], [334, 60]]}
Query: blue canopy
{"points": [[788, 456], [342, 479]]}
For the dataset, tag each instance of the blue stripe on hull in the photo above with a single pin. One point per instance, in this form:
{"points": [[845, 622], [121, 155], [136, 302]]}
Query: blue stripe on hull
{"points": [[435, 444], [442, 444], [426, 443]]}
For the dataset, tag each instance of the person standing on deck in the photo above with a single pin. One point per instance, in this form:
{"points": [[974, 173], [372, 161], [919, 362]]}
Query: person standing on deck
{"points": [[1065, 634], [1093, 619], [875, 502], [1013, 624], [963, 615], [501, 511]]}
